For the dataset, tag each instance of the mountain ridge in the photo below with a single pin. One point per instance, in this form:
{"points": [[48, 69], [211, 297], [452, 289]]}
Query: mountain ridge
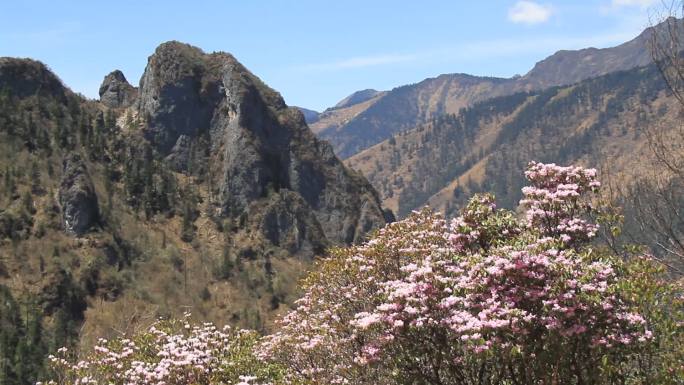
{"points": [[407, 106]]}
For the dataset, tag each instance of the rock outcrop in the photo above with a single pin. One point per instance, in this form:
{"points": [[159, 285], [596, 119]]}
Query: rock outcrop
{"points": [[211, 109], [116, 92], [77, 197]]}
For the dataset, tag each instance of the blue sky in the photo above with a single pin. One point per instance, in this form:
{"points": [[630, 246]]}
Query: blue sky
{"points": [[316, 52]]}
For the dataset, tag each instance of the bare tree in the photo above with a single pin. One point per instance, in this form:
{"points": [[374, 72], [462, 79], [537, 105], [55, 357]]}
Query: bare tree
{"points": [[665, 45], [654, 202]]}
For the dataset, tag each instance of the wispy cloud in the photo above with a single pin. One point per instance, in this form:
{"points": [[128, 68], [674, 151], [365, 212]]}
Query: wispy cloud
{"points": [[511, 47], [360, 62], [633, 3], [479, 50], [529, 12]]}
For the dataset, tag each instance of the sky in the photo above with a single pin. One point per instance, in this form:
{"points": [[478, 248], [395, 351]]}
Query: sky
{"points": [[316, 52]]}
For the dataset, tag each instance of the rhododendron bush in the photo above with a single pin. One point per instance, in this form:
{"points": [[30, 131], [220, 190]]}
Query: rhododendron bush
{"points": [[486, 298], [170, 352], [490, 297]]}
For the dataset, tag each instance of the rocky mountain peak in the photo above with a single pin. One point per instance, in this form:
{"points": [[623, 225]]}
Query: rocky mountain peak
{"points": [[208, 110], [116, 92]]}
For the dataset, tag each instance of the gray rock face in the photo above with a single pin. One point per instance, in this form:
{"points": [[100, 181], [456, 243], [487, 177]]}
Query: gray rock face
{"points": [[286, 220], [256, 147], [77, 197], [116, 92]]}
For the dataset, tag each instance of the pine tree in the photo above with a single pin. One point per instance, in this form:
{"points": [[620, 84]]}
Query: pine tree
{"points": [[167, 191], [97, 139], [31, 133], [188, 227], [43, 140], [10, 334], [85, 128], [61, 334], [109, 122], [27, 202], [62, 133], [189, 210], [147, 181], [109, 188], [133, 178], [34, 172], [21, 359], [50, 168], [36, 349], [10, 185]]}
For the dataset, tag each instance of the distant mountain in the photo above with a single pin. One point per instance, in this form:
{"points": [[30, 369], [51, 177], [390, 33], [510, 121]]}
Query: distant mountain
{"points": [[405, 107], [335, 118], [566, 67], [486, 146], [341, 112], [200, 190], [310, 116], [356, 98]]}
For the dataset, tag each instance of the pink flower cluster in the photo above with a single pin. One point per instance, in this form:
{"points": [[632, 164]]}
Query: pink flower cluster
{"points": [[485, 283], [159, 357], [316, 339], [554, 200], [510, 298]]}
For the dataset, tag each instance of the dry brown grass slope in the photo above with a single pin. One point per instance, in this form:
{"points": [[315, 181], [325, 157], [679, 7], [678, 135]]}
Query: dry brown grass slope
{"points": [[597, 122]]}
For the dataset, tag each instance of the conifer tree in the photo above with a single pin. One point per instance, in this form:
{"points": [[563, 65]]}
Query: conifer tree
{"points": [[31, 133], [85, 128], [35, 178], [109, 122], [10, 185]]}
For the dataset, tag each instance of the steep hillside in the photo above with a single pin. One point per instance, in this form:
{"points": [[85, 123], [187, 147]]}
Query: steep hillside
{"points": [[487, 146], [199, 191], [406, 107]]}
